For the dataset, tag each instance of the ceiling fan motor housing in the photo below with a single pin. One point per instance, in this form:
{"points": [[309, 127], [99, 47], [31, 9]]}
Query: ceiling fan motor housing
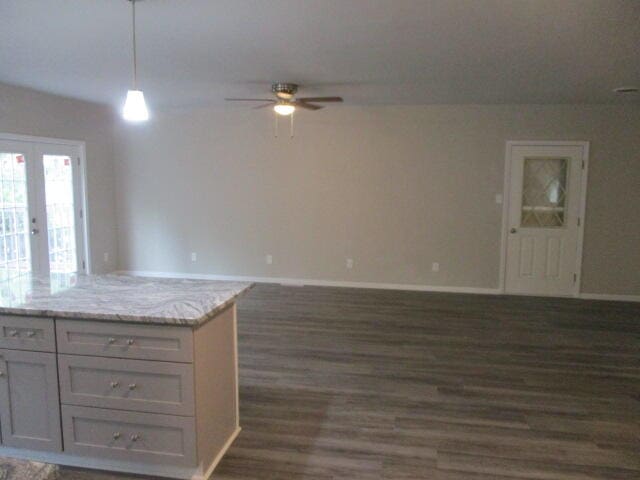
{"points": [[284, 91]]}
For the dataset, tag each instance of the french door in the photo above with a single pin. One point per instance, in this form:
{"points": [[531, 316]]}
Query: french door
{"points": [[41, 229]]}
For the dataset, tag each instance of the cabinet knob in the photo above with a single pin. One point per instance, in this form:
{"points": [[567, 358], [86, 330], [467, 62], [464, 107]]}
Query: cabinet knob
{"points": [[132, 386], [115, 384], [130, 341], [117, 435], [111, 340], [30, 333], [135, 437], [13, 333]]}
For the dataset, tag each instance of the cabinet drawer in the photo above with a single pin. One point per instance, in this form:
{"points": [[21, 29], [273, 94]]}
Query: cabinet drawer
{"points": [[129, 436], [27, 333], [157, 387], [144, 342]]}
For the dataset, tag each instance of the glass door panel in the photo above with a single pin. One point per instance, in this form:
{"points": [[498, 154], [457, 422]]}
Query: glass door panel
{"points": [[15, 242], [59, 202]]}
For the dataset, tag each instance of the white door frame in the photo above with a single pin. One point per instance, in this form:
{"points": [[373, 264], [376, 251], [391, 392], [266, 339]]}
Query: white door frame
{"points": [[83, 204], [507, 198]]}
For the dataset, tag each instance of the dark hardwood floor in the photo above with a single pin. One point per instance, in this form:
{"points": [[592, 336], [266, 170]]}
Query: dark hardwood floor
{"points": [[370, 384]]}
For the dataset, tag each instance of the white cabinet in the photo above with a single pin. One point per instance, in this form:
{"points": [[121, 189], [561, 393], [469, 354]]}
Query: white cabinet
{"points": [[138, 398], [29, 402]]}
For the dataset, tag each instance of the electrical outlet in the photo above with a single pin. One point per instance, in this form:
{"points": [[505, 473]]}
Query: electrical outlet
{"points": [[435, 267], [349, 263], [194, 256], [268, 259], [106, 257]]}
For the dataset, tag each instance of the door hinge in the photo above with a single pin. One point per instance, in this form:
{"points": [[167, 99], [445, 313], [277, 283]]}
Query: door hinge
{"points": [[84, 265], [79, 161], [583, 164], [575, 277], [81, 214], [578, 221]]}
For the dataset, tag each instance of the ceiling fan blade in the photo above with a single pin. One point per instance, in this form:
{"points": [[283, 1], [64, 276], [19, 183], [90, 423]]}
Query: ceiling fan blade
{"points": [[264, 105], [320, 99], [250, 100], [307, 106]]}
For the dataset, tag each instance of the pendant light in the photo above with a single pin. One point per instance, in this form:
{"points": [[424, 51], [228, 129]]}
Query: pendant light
{"points": [[135, 108]]}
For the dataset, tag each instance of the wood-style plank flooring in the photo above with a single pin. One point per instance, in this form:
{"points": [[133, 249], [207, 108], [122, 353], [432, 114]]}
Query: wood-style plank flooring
{"points": [[340, 384]]}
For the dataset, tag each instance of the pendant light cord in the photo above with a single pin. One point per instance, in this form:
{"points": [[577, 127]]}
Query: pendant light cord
{"points": [[133, 37]]}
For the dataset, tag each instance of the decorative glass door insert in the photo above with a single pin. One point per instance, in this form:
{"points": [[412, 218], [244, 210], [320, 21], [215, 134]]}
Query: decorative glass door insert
{"points": [[544, 192]]}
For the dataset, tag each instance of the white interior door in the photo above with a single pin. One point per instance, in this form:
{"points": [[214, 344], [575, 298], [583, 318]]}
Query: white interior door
{"points": [[41, 209], [544, 223]]}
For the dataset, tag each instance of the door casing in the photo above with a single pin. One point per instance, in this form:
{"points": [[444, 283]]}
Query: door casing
{"points": [[507, 199]]}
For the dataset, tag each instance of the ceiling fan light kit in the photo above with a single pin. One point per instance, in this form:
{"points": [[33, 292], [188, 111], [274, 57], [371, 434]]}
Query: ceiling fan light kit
{"points": [[135, 107], [286, 102], [284, 108]]}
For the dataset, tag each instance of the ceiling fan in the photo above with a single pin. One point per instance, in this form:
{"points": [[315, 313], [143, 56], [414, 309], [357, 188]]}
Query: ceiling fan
{"points": [[285, 102]]}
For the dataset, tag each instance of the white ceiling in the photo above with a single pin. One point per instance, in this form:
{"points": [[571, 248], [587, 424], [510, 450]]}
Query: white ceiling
{"points": [[194, 52]]}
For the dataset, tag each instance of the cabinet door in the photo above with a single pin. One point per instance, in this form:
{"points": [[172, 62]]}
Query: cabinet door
{"points": [[29, 401]]}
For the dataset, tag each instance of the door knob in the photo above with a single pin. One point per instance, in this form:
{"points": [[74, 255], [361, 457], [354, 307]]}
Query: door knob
{"points": [[513, 230], [35, 231]]}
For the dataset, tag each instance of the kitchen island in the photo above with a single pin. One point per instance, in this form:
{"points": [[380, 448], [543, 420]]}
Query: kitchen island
{"points": [[119, 373]]}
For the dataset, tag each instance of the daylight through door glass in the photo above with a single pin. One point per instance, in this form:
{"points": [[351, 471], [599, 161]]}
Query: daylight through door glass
{"points": [[544, 192], [58, 184], [15, 254]]}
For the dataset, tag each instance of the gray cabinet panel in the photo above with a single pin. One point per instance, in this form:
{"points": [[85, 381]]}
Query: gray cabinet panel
{"points": [[29, 402], [129, 436], [27, 333], [108, 339], [156, 387]]}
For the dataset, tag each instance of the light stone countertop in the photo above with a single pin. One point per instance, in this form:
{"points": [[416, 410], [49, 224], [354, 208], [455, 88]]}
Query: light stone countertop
{"points": [[118, 298]]}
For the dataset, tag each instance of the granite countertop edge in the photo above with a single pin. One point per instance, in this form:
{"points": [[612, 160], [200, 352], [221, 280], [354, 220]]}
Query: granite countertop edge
{"points": [[124, 318]]}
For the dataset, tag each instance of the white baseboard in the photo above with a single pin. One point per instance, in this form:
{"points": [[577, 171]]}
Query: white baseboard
{"points": [[300, 282], [612, 297]]}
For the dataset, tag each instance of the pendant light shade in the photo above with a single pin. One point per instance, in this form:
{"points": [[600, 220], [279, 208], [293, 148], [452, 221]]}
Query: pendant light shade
{"points": [[135, 108]]}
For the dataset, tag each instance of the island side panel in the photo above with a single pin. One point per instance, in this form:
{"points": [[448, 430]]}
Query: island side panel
{"points": [[216, 384]]}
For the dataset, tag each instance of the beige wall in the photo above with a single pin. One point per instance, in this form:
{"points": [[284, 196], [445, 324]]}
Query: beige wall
{"points": [[394, 188], [27, 112]]}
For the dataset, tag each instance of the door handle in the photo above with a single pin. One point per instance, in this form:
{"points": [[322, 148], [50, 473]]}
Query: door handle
{"points": [[513, 230]]}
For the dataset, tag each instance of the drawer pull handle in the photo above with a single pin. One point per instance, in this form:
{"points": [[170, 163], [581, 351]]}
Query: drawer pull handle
{"points": [[135, 438], [111, 340], [132, 386], [115, 384], [13, 333], [130, 341], [117, 435], [31, 333]]}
